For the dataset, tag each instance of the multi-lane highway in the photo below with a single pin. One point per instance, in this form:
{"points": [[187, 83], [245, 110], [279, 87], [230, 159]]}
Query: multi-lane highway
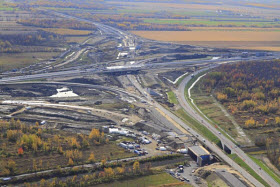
{"points": [[169, 115], [136, 67], [144, 65], [180, 93]]}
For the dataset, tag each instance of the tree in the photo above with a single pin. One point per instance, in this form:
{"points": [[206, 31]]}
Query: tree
{"points": [[277, 120], [91, 158], [103, 162], [40, 164], [20, 151], [136, 167], [120, 170], [43, 183], [70, 162], [35, 168], [221, 97], [109, 172], [94, 134], [10, 167], [250, 123]]}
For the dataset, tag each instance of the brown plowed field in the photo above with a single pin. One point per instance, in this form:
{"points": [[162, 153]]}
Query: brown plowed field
{"points": [[261, 40]]}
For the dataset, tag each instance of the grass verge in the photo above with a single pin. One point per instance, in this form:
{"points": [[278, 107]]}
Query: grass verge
{"points": [[265, 168], [241, 163], [197, 126], [172, 97], [162, 179]]}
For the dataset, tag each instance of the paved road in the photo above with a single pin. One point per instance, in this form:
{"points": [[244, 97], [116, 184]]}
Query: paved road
{"points": [[78, 72], [180, 93], [209, 144]]}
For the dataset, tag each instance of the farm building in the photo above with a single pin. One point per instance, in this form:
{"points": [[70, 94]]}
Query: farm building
{"points": [[200, 154]]}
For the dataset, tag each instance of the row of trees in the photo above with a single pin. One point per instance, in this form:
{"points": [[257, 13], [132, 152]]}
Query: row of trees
{"points": [[129, 22], [25, 42], [82, 4], [108, 174], [58, 23]]}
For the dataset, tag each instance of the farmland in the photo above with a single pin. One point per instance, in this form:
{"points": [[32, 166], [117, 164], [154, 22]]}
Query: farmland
{"points": [[261, 40], [19, 60], [215, 23]]}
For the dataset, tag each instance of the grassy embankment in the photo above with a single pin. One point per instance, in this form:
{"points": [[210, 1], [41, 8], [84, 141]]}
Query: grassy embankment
{"points": [[172, 97], [241, 163], [162, 179], [266, 169]]}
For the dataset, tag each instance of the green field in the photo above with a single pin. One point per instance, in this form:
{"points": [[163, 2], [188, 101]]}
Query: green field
{"points": [[241, 163], [172, 97], [152, 180], [266, 169], [213, 23]]}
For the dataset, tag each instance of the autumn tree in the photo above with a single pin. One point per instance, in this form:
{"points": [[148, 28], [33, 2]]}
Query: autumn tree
{"points": [[120, 170], [221, 97], [34, 166], [70, 162], [109, 172], [136, 167], [103, 162], [10, 167], [20, 151], [250, 123], [277, 120], [91, 158]]}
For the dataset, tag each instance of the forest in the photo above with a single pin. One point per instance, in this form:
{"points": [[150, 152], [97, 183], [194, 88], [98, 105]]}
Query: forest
{"points": [[29, 148], [251, 93], [21, 42], [252, 88], [135, 21], [58, 23]]}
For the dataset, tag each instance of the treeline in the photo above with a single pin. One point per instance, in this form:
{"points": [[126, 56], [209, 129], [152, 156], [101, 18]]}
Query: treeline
{"points": [[53, 23], [82, 4], [131, 22], [16, 42], [107, 174], [272, 144], [252, 87]]}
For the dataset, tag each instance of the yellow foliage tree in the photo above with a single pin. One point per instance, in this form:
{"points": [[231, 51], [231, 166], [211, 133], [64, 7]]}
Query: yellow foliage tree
{"points": [[91, 158], [136, 167], [70, 162], [250, 123], [277, 120], [94, 134]]}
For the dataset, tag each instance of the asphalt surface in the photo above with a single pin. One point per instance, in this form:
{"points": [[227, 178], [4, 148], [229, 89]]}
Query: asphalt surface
{"points": [[209, 144], [180, 93]]}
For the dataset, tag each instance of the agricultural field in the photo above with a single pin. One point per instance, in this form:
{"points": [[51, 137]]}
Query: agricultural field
{"points": [[20, 60], [259, 40]]}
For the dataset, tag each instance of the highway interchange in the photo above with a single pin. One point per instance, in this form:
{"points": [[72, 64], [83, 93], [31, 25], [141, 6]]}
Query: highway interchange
{"points": [[180, 93]]}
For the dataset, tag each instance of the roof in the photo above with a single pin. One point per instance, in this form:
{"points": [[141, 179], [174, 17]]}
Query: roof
{"points": [[199, 150]]}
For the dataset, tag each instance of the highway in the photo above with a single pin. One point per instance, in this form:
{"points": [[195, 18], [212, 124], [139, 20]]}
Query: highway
{"points": [[136, 67], [167, 114], [180, 93]]}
